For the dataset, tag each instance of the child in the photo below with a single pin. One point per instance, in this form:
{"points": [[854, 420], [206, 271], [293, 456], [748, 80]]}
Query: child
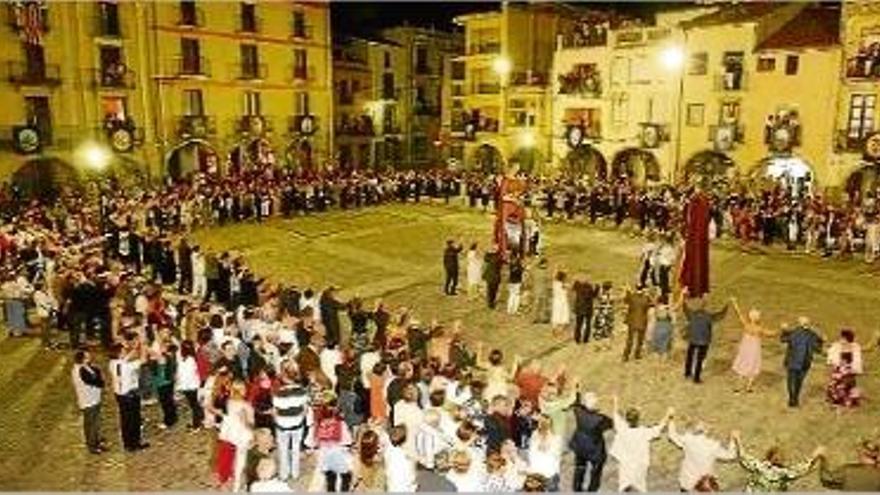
{"points": [[267, 482], [332, 438]]}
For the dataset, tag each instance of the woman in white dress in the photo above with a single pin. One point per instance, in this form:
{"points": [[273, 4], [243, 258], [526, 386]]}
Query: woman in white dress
{"points": [[474, 270], [560, 315]]}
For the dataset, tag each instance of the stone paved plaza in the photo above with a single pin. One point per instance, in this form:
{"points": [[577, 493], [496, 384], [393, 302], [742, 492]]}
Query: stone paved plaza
{"points": [[394, 252]]}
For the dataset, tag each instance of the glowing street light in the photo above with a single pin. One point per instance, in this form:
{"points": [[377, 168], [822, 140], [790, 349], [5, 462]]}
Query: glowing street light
{"points": [[502, 66], [94, 156], [672, 58], [527, 140]]}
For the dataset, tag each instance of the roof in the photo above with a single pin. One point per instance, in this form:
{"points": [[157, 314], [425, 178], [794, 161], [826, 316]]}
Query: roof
{"points": [[737, 13], [813, 27]]}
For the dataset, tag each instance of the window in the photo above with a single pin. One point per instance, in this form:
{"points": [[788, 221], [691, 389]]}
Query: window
{"points": [[862, 109], [420, 148], [791, 64], [766, 64], [192, 102], [695, 114], [300, 63], [114, 108], [387, 60], [299, 24], [248, 17], [112, 70], [250, 62], [108, 19], [302, 103], [422, 60], [191, 56], [729, 113], [39, 115], [188, 13], [620, 108], [388, 86], [35, 59], [252, 103], [699, 64], [732, 65]]}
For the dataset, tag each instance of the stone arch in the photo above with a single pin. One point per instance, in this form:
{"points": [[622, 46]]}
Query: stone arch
{"points": [[637, 164], [488, 159], [585, 161], [862, 180], [708, 165], [192, 155], [45, 177], [526, 160], [299, 155], [790, 171]]}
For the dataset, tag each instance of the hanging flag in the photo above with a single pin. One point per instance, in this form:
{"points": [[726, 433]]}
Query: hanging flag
{"points": [[30, 20]]}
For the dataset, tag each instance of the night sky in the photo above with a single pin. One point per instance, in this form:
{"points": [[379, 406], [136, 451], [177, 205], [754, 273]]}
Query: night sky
{"points": [[364, 18]]}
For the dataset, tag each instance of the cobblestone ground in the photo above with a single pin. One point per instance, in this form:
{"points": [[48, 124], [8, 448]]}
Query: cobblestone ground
{"points": [[394, 253]]}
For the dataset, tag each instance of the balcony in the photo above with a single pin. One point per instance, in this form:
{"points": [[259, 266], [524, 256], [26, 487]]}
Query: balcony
{"points": [[458, 90], [122, 142], [192, 67], [849, 142], [116, 76], [389, 93], [301, 31], [731, 81], [424, 70], [458, 71], [391, 129], [300, 73], [24, 74], [252, 124], [864, 65], [487, 88], [528, 78], [585, 35], [725, 137], [583, 80], [302, 124], [345, 98], [249, 72], [192, 17], [196, 126], [486, 47], [361, 126], [13, 20]]}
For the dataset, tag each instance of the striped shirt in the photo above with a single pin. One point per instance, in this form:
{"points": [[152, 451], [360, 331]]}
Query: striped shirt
{"points": [[291, 403]]}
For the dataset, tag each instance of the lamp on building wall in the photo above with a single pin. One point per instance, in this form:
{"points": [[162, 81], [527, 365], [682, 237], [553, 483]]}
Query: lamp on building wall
{"points": [[527, 139], [502, 66], [672, 58], [94, 156]]}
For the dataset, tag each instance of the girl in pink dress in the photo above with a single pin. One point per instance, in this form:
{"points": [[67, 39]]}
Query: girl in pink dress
{"points": [[747, 364]]}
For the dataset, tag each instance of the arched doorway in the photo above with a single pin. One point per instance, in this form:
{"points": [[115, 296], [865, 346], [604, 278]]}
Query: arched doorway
{"points": [[708, 166], [488, 159], [299, 155], [194, 155], [44, 178], [526, 160], [637, 164], [585, 161], [789, 171], [862, 181]]}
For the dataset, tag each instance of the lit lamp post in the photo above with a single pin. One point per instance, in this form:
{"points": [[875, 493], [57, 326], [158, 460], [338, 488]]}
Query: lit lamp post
{"points": [[502, 66], [672, 59], [96, 158]]}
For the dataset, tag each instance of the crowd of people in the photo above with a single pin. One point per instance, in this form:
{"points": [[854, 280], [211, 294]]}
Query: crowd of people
{"points": [[391, 404]]}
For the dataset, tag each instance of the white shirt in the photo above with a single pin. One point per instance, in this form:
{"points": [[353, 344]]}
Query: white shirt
{"points": [[402, 477], [409, 415], [700, 454], [273, 485], [330, 358], [126, 375], [187, 374], [545, 455], [368, 360], [632, 449], [86, 395]]}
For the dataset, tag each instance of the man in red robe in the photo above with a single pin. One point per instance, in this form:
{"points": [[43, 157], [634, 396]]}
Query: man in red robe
{"points": [[695, 267]]}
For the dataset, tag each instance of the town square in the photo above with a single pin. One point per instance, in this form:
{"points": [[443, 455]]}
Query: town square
{"points": [[478, 247]]}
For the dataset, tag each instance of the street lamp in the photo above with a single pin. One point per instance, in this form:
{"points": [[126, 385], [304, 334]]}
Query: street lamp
{"points": [[672, 58], [94, 156], [502, 66]]}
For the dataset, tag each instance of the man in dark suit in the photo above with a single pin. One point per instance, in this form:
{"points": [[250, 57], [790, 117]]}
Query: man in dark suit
{"points": [[492, 275], [584, 294], [700, 322], [450, 265], [329, 308], [588, 442], [802, 342]]}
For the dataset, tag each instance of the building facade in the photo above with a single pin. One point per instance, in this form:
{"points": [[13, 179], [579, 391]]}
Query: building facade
{"points": [[169, 87], [499, 89]]}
